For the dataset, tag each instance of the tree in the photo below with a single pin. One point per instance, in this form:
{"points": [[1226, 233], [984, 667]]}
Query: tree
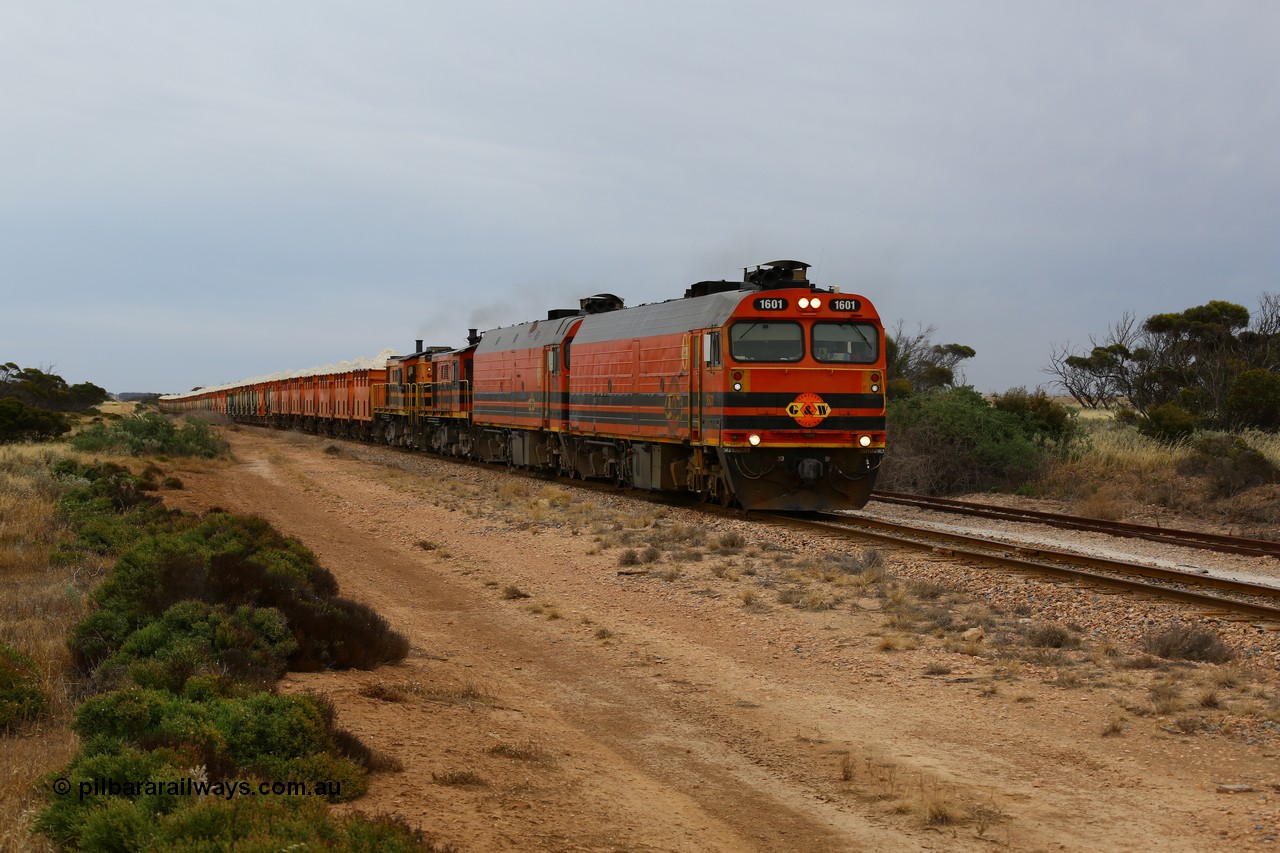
{"points": [[20, 422], [1182, 365], [44, 390], [916, 364]]}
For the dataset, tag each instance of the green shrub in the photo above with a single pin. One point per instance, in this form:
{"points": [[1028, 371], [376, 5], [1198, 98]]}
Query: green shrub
{"points": [[955, 441], [283, 823], [236, 561], [149, 434], [272, 737], [193, 638], [1253, 400], [1043, 419], [1229, 463], [196, 616], [71, 816], [22, 698], [1168, 421]]}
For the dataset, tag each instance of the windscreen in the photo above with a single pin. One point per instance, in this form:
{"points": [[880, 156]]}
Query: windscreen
{"points": [[766, 340], [857, 343]]}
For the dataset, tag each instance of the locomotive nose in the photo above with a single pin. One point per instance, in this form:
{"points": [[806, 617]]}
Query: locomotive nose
{"points": [[809, 470]]}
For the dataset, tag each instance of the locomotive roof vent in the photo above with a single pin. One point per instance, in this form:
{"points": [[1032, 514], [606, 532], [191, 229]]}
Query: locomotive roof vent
{"points": [[601, 303], [559, 313], [772, 275], [706, 288]]}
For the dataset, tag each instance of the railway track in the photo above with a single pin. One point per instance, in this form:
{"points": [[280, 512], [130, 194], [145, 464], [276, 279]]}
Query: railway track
{"points": [[1255, 602], [1248, 601], [1167, 536]]}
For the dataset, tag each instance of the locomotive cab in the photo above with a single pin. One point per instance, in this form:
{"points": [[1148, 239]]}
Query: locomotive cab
{"points": [[803, 420]]}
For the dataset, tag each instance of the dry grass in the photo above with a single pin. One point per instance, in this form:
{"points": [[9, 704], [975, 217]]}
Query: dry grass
{"points": [[38, 606], [531, 750], [459, 778]]}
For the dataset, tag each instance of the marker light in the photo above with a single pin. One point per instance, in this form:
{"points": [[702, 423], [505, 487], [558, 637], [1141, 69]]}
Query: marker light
{"points": [[753, 440], [737, 386], [804, 302], [875, 389], [864, 440]]}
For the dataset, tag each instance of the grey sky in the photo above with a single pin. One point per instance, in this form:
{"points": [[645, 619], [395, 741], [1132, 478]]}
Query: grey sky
{"points": [[194, 193]]}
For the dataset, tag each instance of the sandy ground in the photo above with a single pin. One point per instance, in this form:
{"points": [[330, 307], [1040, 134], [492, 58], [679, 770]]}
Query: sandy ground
{"points": [[646, 708]]}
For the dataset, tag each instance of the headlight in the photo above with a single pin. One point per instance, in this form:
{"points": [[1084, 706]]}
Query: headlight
{"points": [[815, 303], [804, 302], [864, 440], [753, 440]]}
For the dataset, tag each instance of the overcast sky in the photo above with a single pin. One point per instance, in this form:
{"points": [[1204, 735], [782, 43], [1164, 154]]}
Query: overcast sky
{"points": [[192, 193]]}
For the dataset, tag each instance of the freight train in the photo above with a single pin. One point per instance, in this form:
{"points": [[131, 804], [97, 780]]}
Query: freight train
{"points": [[765, 393]]}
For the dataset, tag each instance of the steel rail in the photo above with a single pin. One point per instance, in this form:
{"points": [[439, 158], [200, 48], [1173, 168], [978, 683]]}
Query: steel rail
{"points": [[1168, 536], [1023, 557]]}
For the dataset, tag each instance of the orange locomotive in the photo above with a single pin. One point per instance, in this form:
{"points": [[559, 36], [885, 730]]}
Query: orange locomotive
{"points": [[766, 393]]}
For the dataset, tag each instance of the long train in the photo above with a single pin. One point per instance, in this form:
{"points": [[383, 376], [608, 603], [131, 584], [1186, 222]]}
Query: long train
{"points": [[766, 393]]}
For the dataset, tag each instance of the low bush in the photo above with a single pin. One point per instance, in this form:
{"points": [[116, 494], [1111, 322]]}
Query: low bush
{"points": [[150, 434], [22, 697], [1229, 464], [1043, 419], [1045, 635], [955, 441], [167, 813], [1253, 400], [236, 561], [1167, 422], [1181, 642], [198, 616], [192, 638]]}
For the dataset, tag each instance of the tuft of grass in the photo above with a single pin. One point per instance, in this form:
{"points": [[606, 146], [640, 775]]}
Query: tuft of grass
{"points": [[530, 750], [629, 557], [731, 542], [1166, 697], [937, 806], [511, 592], [1044, 635], [468, 693], [896, 642], [459, 778], [1184, 642], [383, 692]]}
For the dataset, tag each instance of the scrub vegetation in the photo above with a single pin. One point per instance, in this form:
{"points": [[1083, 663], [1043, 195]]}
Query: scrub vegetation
{"points": [[151, 434], [156, 637], [1178, 412], [35, 404]]}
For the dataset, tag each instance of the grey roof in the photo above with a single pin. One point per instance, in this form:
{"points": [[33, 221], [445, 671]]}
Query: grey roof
{"points": [[536, 334], [662, 318]]}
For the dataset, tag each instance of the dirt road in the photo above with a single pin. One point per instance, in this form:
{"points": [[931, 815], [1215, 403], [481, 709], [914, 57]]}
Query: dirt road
{"points": [[688, 704]]}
